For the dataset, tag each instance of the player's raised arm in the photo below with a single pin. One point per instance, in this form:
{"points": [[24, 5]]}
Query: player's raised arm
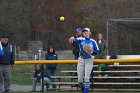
{"points": [[71, 39]]}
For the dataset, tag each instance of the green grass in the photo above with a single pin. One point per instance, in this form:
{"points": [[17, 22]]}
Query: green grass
{"points": [[21, 74]]}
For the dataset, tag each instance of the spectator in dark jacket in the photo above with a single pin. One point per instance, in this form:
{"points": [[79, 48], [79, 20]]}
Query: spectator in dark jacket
{"points": [[75, 45], [6, 62], [38, 76], [51, 68], [113, 55]]}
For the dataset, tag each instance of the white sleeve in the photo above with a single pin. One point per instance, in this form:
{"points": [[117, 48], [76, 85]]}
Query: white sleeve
{"points": [[1, 48], [79, 39]]}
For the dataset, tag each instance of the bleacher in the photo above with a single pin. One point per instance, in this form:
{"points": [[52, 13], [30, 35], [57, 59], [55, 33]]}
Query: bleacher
{"points": [[121, 77]]}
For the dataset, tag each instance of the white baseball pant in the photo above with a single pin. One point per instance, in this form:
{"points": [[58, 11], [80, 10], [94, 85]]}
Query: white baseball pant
{"points": [[84, 69]]}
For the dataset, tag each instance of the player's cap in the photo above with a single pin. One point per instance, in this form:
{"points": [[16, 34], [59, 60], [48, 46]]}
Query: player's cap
{"points": [[4, 36], [78, 30], [86, 29]]}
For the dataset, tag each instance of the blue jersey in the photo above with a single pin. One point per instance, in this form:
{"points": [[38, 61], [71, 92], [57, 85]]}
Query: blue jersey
{"points": [[82, 41]]}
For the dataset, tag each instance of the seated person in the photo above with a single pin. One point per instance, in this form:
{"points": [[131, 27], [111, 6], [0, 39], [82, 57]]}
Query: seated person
{"points": [[37, 78], [113, 55]]}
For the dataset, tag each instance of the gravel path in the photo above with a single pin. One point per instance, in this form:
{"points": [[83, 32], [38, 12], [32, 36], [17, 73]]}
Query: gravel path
{"points": [[15, 87]]}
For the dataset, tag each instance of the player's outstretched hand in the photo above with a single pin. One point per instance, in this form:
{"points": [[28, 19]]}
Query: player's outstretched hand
{"points": [[71, 39]]}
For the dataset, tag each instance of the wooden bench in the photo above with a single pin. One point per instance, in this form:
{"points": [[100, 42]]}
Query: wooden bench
{"points": [[60, 83], [114, 83], [132, 71], [70, 82], [75, 77], [120, 65], [109, 72]]}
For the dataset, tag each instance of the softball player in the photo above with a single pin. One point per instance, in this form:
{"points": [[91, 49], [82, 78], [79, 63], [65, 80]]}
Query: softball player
{"points": [[88, 47]]}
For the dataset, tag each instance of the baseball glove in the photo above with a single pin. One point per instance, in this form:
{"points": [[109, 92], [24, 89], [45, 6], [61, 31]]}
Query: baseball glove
{"points": [[87, 49]]}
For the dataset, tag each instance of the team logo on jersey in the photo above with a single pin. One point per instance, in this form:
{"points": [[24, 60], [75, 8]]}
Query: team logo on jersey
{"points": [[85, 44]]}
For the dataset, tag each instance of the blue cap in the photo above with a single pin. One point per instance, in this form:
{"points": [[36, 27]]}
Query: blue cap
{"points": [[78, 30]]}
